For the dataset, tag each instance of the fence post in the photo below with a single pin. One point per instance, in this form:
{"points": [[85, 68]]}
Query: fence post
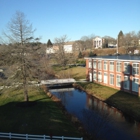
{"points": [[81, 138], [26, 136], [10, 135], [62, 137], [44, 137]]}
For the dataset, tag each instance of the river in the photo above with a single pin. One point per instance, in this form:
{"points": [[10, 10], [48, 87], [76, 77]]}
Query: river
{"points": [[99, 119]]}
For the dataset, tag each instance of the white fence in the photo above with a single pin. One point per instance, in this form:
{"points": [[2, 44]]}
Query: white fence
{"points": [[35, 137]]}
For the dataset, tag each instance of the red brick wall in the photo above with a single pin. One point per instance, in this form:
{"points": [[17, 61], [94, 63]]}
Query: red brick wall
{"points": [[113, 72]]}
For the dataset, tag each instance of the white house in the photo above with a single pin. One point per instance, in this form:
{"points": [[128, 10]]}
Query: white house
{"points": [[98, 42], [68, 48], [52, 49]]}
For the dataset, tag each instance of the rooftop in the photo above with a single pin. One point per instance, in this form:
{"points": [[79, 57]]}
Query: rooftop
{"points": [[118, 57]]}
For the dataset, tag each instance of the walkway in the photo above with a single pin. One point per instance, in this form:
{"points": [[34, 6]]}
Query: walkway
{"points": [[58, 82]]}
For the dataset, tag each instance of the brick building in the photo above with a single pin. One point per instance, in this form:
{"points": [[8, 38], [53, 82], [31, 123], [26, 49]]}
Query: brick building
{"points": [[121, 72]]}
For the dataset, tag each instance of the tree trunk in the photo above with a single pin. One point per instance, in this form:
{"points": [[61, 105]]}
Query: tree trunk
{"points": [[26, 98], [25, 88]]}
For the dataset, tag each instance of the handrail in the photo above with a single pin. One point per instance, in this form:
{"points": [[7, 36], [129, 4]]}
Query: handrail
{"points": [[35, 137]]}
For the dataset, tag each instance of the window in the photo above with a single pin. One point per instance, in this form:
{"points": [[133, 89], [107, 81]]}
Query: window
{"points": [[99, 65], [99, 42], [126, 67], [105, 65], [135, 84], [94, 43], [118, 80], [111, 79], [90, 64], [105, 78], [135, 68], [90, 77], [99, 77], [94, 75], [111, 66], [94, 64], [126, 82], [118, 69]]}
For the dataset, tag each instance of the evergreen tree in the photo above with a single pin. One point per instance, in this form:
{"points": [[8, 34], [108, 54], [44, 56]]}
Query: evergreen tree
{"points": [[49, 43], [120, 39], [91, 54], [80, 55]]}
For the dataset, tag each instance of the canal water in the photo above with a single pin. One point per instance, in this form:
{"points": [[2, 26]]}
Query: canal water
{"points": [[99, 119]]}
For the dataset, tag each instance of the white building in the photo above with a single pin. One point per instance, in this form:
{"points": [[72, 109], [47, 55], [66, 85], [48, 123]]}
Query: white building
{"points": [[52, 49], [68, 48], [98, 42]]}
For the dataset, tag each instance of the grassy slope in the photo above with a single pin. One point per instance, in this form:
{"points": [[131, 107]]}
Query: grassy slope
{"points": [[43, 118], [74, 72]]}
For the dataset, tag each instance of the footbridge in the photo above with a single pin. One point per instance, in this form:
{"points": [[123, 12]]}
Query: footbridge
{"points": [[57, 82]]}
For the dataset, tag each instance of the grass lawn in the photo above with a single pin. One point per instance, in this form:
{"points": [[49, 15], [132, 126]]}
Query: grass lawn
{"points": [[126, 102], [42, 118], [74, 72]]}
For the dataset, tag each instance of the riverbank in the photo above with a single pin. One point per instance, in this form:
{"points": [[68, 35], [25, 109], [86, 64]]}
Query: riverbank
{"points": [[127, 103], [78, 125], [43, 117]]}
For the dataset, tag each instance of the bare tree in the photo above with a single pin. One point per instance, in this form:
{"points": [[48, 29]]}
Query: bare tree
{"points": [[131, 39], [19, 29], [64, 55], [23, 57]]}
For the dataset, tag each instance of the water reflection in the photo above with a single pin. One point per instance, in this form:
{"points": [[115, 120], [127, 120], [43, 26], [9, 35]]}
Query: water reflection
{"points": [[98, 118], [64, 94], [95, 104], [116, 116]]}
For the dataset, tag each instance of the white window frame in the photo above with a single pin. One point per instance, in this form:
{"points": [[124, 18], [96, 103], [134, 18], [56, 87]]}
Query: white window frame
{"points": [[105, 65], [127, 71], [99, 76], [105, 77], [135, 84], [111, 79], [90, 76], [118, 80], [135, 68], [111, 65], [90, 64], [126, 82], [94, 75], [100, 65], [118, 66], [94, 64]]}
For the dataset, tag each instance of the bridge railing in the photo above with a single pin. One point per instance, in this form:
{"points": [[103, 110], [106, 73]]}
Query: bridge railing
{"points": [[35, 137]]}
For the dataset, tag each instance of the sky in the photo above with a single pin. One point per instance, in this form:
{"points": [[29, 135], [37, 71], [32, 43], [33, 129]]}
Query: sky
{"points": [[74, 18]]}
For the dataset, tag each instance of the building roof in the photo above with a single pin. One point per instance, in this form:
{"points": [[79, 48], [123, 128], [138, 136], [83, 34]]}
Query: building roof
{"points": [[117, 57]]}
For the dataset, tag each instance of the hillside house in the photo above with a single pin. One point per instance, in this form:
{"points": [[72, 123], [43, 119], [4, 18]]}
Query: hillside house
{"points": [[98, 42]]}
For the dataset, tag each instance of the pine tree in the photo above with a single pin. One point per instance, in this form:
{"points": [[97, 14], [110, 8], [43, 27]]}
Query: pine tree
{"points": [[49, 43]]}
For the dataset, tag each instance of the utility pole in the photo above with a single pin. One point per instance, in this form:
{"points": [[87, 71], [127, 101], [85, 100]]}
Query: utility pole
{"points": [[117, 45]]}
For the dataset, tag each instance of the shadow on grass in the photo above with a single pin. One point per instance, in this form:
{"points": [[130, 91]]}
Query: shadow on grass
{"points": [[127, 99], [42, 117]]}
